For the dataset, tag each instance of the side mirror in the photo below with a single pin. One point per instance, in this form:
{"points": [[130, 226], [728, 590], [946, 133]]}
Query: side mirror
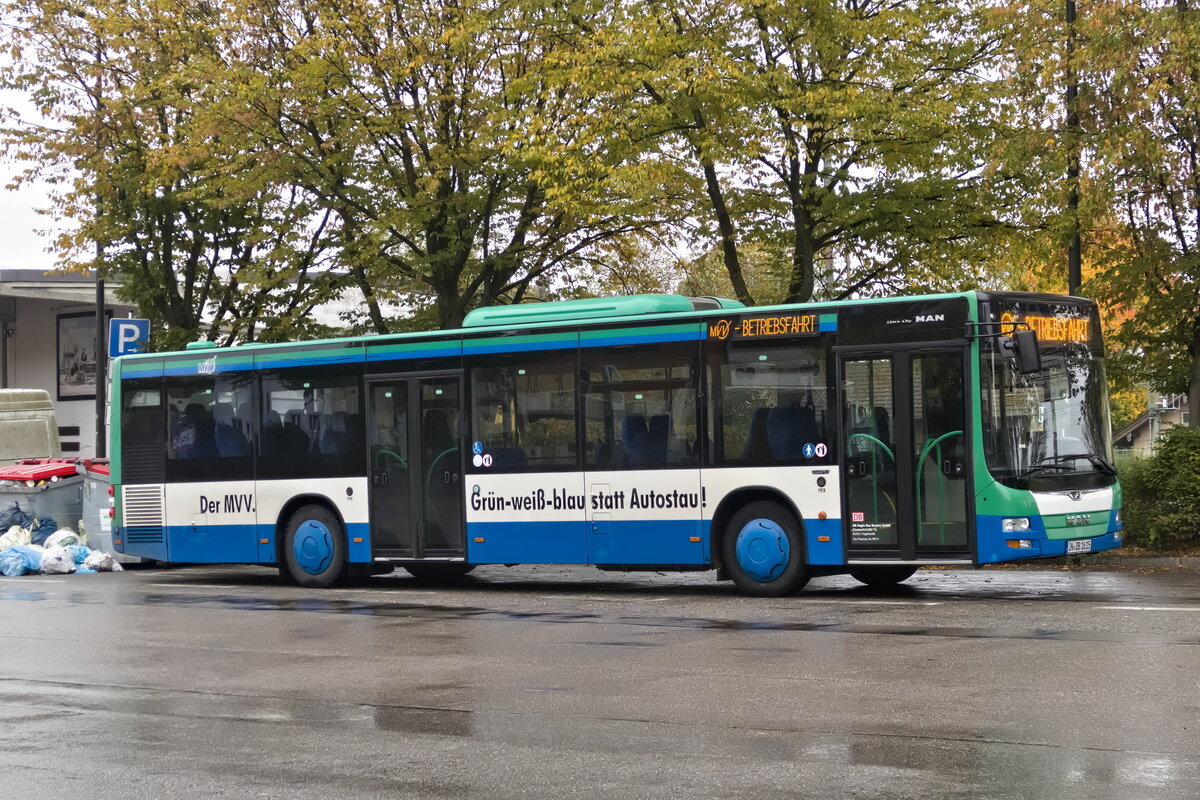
{"points": [[1022, 346], [1025, 350]]}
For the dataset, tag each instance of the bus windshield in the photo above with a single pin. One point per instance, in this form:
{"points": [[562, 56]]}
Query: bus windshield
{"points": [[1049, 429]]}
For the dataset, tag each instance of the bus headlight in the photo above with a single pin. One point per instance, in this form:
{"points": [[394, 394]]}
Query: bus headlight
{"points": [[1014, 524]]}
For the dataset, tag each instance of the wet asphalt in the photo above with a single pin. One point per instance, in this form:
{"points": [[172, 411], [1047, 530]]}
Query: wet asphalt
{"points": [[564, 682]]}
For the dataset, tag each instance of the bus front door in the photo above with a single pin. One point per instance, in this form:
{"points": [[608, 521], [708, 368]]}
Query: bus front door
{"points": [[905, 471], [416, 468]]}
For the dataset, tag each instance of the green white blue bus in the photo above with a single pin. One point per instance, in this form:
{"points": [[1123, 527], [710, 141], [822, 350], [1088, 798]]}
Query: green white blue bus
{"points": [[651, 432]]}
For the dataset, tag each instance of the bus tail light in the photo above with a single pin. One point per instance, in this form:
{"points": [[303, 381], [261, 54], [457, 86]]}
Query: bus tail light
{"points": [[1014, 524]]}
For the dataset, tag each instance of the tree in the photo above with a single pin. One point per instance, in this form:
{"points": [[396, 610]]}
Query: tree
{"points": [[1143, 62], [855, 136], [202, 250], [461, 168]]}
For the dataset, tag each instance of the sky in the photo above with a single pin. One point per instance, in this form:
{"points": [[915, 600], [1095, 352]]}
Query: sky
{"points": [[21, 246]]}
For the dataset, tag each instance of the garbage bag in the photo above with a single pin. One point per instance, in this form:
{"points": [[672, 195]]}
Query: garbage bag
{"points": [[16, 535], [62, 538], [30, 560], [101, 561], [40, 529], [78, 552], [12, 562], [57, 560], [13, 515]]}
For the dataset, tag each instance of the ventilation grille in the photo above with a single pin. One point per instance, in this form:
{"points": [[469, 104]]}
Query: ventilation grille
{"points": [[143, 534], [142, 506], [142, 463]]}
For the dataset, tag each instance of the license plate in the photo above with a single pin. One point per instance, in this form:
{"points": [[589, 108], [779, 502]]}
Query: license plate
{"points": [[1079, 546]]}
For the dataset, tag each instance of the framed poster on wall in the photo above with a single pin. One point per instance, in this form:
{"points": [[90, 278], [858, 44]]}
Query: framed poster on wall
{"points": [[76, 353]]}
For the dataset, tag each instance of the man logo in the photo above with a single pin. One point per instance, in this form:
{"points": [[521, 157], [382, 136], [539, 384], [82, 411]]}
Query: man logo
{"points": [[931, 318]]}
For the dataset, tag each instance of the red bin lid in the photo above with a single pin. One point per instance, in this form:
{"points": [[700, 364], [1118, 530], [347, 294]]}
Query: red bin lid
{"points": [[39, 469]]}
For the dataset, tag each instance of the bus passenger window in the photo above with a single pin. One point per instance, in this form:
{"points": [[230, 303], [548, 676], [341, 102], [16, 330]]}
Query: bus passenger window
{"points": [[771, 404], [640, 407], [523, 412]]}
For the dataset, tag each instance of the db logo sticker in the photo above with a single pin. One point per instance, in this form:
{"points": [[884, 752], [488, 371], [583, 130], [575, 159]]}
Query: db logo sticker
{"points": [[857, 516]]}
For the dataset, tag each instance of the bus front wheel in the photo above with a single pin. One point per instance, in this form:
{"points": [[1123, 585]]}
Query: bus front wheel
{"points": [[314, 547], [762, 550], [882, 577]]}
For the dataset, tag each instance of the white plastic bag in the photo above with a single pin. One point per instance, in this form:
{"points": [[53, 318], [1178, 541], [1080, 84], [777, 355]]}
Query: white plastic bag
{"points": [[63, 537], [57, 561], [15, 537], [102, 562]]}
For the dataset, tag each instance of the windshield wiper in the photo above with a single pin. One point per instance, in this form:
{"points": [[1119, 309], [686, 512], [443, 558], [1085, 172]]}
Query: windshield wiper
{"points": [[1060, 462]]}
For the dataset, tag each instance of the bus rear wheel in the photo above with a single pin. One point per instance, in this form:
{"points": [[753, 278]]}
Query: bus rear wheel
{"points": [[882, 577], [763, 551], [314, 547]]}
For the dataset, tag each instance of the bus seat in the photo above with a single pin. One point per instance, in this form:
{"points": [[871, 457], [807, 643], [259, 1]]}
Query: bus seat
{"points": [[783, 433], [294, 438], [806, 425], [230, 442], [757, 449], [203, 442], [335, 435], [272, 433], [633, 436], [656, 439]]}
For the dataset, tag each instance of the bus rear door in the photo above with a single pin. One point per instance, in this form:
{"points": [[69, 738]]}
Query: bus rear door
{"points": [[415, 444]]}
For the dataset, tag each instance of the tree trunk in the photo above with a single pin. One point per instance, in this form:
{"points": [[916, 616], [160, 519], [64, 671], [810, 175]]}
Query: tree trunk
{"points": [[1194, 378], [729, 250]]}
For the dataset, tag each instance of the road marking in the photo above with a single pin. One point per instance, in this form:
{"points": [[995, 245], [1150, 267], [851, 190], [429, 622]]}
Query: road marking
{"points": [[875, 602], [183, 585], [1149, 608]]}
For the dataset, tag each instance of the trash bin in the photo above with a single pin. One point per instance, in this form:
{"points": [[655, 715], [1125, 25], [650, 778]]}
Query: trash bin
{"points": [[44, 487], [96, 520], [72, 493]]}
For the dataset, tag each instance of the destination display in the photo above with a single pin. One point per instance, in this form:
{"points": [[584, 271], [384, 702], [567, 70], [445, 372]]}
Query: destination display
{"points": [[763, 327]]}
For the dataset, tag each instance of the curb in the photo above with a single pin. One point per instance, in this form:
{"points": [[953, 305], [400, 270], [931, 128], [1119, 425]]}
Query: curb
{"points": [[1147, 562]]}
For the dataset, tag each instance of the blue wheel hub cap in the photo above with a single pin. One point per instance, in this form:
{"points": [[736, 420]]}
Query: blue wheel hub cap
{"points": [[313, 547], [762, 549]]}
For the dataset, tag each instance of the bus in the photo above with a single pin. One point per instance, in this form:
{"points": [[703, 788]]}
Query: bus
{"points": [[650, 432]]}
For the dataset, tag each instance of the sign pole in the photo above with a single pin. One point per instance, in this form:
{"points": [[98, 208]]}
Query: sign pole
{"points": [[101, 366]]}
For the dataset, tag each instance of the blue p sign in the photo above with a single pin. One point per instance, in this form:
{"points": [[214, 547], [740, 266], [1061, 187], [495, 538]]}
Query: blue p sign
{"points": [[127, 336]]}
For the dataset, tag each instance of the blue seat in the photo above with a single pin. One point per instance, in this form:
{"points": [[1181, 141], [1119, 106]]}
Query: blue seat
{"points": [[634, 437]]}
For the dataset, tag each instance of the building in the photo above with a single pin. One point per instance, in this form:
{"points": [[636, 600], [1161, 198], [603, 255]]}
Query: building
{"points": [[1162, 411], [48, 341]]}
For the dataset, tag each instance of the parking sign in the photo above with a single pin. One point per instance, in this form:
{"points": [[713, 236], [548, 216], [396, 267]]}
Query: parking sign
{"points": [[127, 336]]}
